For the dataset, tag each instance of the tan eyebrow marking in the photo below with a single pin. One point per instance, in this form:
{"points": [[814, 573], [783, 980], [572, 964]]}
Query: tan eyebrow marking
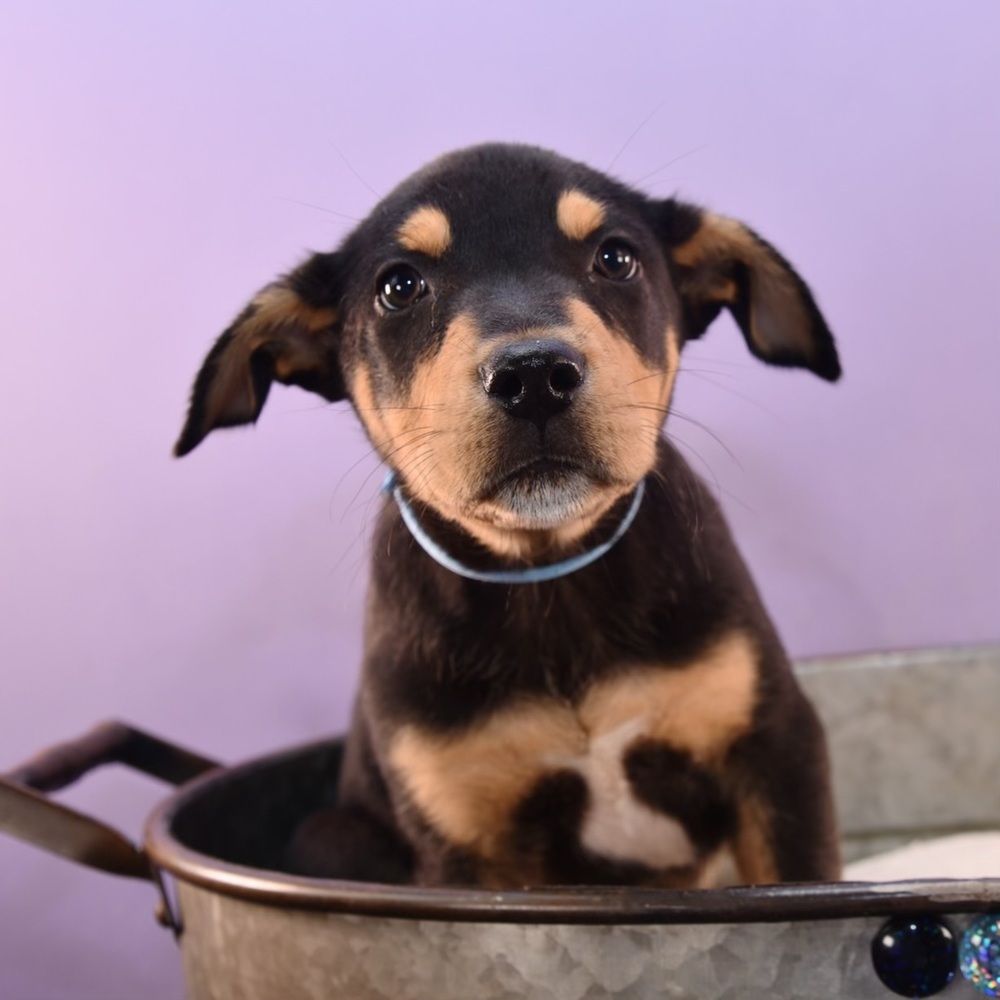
{"points": [[426, 230], [577, 214]]}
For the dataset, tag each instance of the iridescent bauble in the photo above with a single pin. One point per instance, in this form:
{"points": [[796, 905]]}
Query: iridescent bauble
{"points": [[979, 955]]}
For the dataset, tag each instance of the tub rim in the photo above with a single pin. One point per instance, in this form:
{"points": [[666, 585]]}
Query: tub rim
{"points": [[550, 905]]}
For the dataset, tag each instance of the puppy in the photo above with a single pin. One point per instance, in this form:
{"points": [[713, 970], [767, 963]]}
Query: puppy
{"points": [[568, 676]]}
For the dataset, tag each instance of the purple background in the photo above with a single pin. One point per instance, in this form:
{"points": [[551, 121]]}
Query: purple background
{"points": [[161, 162]]}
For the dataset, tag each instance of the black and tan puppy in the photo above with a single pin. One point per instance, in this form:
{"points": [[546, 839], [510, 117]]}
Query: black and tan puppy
{"points": [[508, 324]]}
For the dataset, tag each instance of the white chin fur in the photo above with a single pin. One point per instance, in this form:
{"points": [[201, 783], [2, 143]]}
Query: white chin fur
{"points": [[545, 504]]}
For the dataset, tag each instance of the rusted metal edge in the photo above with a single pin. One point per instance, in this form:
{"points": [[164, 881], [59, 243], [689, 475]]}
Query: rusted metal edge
{"points": [[110, 742], [31, 817], [28, 814]]}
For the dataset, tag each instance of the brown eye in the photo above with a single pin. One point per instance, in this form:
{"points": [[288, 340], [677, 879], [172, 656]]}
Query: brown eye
{"points": [[399, 287], [616, 260]]}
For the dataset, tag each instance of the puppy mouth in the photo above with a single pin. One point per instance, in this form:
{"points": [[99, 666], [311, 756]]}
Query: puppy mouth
{"points": [[543, 493]]}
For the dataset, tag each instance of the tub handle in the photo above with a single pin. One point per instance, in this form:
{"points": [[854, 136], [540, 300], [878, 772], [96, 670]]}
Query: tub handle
{"points": [[27, 813]]}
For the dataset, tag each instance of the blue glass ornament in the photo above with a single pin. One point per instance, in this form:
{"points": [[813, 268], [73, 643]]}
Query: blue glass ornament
{"points": [[915, 956], [979, 955]]}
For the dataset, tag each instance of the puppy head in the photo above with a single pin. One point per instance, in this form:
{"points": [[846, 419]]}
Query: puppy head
{"points": [[508, 324]]}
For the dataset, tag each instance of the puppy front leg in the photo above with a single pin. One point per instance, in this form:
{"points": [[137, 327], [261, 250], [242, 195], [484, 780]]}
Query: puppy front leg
{"points": [[346, 843], [786, 824], [356, 837]]}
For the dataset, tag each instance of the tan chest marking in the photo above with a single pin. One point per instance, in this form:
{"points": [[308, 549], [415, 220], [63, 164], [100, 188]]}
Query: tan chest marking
{"points": [[467, 785]]}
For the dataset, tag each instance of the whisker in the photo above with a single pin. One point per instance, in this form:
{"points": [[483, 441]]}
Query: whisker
{"points": [[714, 481], [652, 407], [425, 407], [741, 395], [319, 208], [411, 436], [660, 373], [715, 437], [353, 171], [670, 163], [635, 132]]}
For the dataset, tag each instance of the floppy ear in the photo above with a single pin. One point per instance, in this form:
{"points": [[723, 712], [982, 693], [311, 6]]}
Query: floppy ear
{"points": [[287, 333], [719, 262]]}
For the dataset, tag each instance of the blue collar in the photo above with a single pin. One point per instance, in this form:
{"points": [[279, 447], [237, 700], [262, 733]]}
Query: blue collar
{"points": [[530, 574]]}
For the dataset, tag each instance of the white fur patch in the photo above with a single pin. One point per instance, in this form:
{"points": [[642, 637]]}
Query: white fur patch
{"points": [[618, 826]]}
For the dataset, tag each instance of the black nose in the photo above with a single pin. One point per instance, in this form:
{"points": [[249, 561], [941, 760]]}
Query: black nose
{"points": [[533, 380]]}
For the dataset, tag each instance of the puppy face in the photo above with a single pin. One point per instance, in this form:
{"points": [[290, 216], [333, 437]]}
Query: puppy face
{"points": [[515, 361], [508, 325]]}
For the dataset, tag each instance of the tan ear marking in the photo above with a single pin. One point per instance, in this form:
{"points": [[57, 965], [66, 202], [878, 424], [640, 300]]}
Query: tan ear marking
{"points": [[279, 305], [281, 319], [277, 318], [716, 238], [778, 321], [426, 230], [578, 215]]}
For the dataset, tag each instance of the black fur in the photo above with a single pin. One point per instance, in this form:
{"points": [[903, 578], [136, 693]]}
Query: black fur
{"points": [[447, 656]]}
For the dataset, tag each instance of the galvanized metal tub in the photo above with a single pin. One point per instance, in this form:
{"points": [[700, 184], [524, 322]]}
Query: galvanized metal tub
{"points": [[913, 738]]}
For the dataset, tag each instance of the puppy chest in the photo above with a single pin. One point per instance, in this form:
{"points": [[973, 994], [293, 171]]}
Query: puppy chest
{"points": [[631, 775]]}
